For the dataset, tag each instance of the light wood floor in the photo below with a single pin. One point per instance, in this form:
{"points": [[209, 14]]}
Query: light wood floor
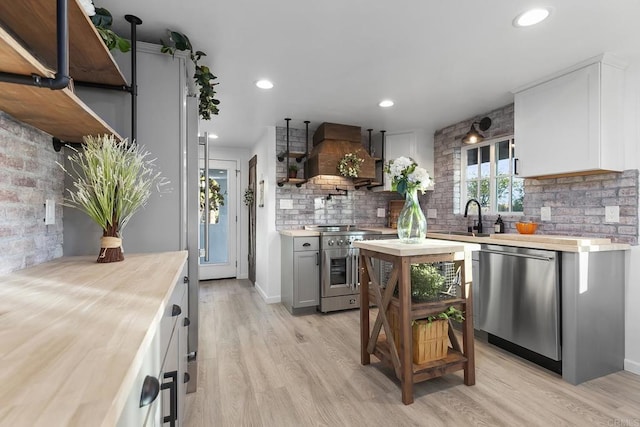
{"points": [[260, 366]]}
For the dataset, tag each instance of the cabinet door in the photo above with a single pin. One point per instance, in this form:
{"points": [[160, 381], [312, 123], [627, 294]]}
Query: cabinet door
{"points": [[306, 276], [132, 414], [412, 144], [183, 338], [557, 124]]}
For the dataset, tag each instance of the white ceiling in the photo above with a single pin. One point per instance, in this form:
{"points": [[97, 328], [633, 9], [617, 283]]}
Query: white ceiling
{"points": [[334, 60]]}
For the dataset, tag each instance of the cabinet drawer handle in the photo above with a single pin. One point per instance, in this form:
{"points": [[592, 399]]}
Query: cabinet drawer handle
{"points": [[173, 397], [515, 166], [150, 390], [306, 245], [186, 322], [187, 377], [176, 310]]}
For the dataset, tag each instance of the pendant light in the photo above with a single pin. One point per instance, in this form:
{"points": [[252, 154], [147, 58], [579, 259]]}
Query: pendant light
{"points": [[473, 136]]}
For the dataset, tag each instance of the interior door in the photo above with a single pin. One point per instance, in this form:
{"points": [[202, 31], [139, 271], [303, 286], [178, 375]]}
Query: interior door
{"points": [[218, 219], [252, 220]]}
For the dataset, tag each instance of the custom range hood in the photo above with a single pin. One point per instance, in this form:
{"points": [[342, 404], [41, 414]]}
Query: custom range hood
{"points": [[331, 142]]}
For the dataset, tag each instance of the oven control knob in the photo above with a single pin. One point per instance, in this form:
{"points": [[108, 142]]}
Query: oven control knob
{"points": [[330, 242], [340, 242]]}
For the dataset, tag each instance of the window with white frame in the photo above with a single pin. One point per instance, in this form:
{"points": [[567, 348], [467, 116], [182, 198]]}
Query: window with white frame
{"points": [[488, 176]]}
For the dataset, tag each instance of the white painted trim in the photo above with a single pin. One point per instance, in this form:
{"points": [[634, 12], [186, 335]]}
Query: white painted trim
{"points": [[632, 366], [269, 300]]}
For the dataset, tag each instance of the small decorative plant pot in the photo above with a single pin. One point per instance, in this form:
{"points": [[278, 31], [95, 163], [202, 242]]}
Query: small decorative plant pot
{"points": [[293, 174]]}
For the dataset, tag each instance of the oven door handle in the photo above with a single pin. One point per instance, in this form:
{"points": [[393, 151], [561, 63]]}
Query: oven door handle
{"points": [[349, 268], [356, 265]]}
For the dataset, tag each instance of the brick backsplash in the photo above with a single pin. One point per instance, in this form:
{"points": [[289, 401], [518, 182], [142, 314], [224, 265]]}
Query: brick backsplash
{"points": [[28, 175], [577, 203], [310, 204]]}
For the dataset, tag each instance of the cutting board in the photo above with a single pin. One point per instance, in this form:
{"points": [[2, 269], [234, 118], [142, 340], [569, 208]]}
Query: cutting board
{"points": [[395, 206]]}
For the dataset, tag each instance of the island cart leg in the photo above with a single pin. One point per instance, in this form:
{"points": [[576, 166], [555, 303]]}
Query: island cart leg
{"points": [[365, 357], [406, 358], [467, 337]]}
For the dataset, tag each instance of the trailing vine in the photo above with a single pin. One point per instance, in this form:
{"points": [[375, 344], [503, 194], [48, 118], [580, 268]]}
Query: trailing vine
{"points": [[103, 20], [203, 76]]}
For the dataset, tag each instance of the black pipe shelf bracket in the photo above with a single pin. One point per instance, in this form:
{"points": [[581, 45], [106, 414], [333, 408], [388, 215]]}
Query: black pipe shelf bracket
{"points": [[61, 77], [286, 155], [297, 155], [132, 88]]}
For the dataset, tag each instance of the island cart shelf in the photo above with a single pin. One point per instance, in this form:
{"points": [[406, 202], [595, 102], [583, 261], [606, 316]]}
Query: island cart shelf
{"points": [[402, 255]]}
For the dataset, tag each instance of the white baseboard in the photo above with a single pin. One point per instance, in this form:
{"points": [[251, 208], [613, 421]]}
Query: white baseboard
{"points": [[269, 300], [632, 366]]}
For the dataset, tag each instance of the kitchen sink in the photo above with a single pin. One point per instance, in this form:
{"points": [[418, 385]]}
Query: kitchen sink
{"points": [[460, 233]]}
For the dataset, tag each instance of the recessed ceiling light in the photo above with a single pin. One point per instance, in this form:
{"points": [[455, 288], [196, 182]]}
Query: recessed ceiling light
{"points": [[264, 84], [531, 17], [386, 103]]}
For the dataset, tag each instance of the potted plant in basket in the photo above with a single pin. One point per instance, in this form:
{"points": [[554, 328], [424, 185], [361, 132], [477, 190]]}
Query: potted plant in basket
{"points": [[111, 180], [430, 336]]}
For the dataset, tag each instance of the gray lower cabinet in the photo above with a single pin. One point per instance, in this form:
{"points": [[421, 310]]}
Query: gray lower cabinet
{"points": [[158, 393], [300, 271]]}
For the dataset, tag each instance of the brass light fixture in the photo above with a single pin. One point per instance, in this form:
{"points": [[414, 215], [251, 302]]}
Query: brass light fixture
{"points": [[473, 136]]}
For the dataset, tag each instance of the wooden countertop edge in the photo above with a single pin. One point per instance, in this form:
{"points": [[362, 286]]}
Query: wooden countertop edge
{"points": [[129, 377]]}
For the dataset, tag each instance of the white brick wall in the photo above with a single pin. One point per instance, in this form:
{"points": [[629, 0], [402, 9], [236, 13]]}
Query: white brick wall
{"points": [[28, 175], [577, 203], [359, 207]]}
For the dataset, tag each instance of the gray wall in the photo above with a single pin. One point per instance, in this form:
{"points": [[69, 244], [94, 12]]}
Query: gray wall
{"points": [[28, 176], [577, 203]]}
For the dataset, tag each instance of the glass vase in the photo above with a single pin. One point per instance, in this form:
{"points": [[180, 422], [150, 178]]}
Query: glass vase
{"points": [[412, 225]]}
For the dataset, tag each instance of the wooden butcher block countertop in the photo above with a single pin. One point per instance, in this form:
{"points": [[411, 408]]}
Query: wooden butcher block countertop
{"points": [[73, 334]]}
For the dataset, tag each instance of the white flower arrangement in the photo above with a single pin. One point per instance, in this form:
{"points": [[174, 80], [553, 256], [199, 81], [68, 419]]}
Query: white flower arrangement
{"points": [[349, 165], [407, 176]]}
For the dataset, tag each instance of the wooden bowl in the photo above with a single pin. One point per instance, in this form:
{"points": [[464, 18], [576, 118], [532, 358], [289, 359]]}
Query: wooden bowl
{"points": [[526, 227]]}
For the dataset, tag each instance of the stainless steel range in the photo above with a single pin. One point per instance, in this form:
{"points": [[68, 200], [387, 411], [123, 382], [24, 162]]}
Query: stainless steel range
{"points": [[339, 265]]}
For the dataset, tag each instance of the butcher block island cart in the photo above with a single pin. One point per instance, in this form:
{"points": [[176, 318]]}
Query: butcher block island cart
{"points": [[402, 256]]}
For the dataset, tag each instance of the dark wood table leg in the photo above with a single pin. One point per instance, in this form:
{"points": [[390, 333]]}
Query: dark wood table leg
{"points": [[406, 356], [365, 357], [468, 340]]}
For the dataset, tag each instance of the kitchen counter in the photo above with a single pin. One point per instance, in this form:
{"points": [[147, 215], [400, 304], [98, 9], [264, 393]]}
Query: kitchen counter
{"points": [[538, 241], [74, 333], [533, 241]]}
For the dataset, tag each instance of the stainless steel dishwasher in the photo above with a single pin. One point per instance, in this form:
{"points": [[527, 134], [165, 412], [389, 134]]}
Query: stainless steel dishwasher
{"points": [[520, 297]]}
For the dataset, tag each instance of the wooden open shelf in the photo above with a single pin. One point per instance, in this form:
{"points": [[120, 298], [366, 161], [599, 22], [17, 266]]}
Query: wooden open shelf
{"points": [[366, 182], [60, 113], [453, 362], [33, 23]]}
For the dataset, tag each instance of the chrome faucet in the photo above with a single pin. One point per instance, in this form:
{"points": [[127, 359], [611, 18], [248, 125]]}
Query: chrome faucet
{"points": [[466, 209]]}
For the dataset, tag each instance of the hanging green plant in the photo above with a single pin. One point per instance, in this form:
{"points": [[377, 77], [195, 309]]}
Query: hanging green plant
{"points": [[103, 20], [203, 76]]}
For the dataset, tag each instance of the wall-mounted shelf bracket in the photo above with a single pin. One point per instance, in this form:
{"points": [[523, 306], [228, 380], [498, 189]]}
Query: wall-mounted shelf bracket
{"points": [[61, 79]]}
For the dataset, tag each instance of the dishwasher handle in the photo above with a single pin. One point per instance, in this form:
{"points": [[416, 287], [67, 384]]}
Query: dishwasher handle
{"points": [[538, 257]]}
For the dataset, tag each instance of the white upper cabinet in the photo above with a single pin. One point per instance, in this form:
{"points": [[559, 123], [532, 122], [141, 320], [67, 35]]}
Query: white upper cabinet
{"points": [[413, 144], [571, 123]]}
